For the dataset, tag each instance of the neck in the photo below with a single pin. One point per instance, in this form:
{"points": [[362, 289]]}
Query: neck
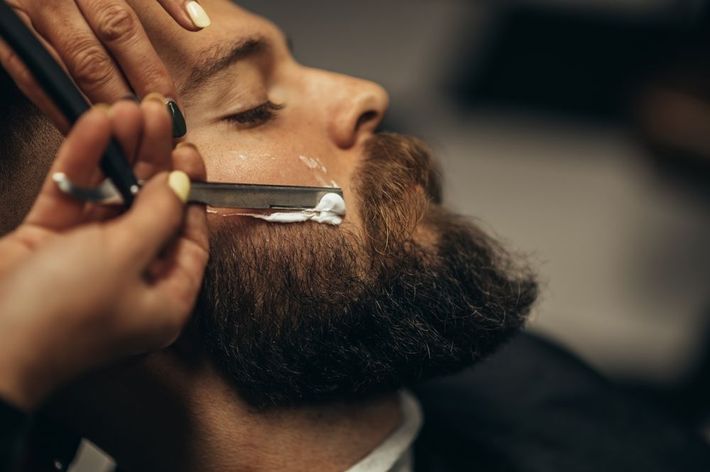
{"points": [[158, 414]]}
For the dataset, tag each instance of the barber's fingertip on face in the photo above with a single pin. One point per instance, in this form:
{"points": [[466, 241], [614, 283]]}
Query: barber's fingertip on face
{"points": [[178, 119], [187, 144], [156, 97], [197, 14], [131, 98], [102, 107], [179, 182]]}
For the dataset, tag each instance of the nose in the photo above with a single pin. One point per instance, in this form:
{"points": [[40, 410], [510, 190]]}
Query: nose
{"points": [[355, 108]]}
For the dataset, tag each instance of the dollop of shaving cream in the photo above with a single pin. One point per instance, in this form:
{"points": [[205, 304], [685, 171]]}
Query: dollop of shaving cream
{"points": [[330, 210]]}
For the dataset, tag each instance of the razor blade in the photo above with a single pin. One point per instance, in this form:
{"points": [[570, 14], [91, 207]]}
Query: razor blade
{"points": [[218, 195]]}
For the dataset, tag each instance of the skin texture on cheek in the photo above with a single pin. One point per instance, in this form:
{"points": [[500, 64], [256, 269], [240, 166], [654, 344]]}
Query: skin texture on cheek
{"points": [[275, 157], [267, 168], [319, 171]]}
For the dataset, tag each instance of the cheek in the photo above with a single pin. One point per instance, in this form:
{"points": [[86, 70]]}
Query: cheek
{"points": [[233, 157], [276, 158]]}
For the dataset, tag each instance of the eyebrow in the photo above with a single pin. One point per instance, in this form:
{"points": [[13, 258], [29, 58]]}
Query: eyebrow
{"points": [[216, 59]]}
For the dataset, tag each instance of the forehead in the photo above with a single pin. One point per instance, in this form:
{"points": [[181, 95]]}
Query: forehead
{"points": [[181, 50]]}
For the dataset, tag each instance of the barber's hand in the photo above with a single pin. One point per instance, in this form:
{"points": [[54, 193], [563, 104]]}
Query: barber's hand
{"points": [[79, 287], [103, 46]]}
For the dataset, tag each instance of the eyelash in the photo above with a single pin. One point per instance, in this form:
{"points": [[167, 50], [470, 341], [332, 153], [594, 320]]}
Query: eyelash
{"points": [[256, 116]]}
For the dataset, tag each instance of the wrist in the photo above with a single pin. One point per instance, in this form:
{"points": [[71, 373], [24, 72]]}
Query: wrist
{"points": [[19, 384], [26, 374]]}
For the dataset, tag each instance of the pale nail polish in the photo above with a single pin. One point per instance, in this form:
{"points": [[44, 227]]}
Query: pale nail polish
{"points": [[155, 96], [198, 15], [102, 107], [180, 183]]}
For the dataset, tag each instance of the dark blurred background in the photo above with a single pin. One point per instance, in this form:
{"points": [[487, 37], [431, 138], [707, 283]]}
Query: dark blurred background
{"points": [[579, 131]]}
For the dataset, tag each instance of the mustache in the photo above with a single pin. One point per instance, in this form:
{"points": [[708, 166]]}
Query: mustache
{"points": [[306, 314], [398, 185], [405, 160]]}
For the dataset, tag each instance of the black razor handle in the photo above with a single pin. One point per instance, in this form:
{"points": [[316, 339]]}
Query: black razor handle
{"points": [[64, 94]]}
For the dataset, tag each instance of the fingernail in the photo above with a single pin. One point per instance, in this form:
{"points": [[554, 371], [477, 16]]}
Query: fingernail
{"points": [[180, 183], [131, 98], [154, 96], [179, 125], [187, 144], [102, 107], [198, 15]]}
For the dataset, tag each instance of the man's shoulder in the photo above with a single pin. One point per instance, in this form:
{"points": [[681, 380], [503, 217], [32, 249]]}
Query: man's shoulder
{"points": [[535, 406]]}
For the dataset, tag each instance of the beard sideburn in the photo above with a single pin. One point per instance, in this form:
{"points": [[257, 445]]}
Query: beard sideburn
{"points": [[305, 314]]}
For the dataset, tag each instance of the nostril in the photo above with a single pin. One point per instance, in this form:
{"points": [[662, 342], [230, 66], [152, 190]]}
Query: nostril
{"points": [[365, 118]]}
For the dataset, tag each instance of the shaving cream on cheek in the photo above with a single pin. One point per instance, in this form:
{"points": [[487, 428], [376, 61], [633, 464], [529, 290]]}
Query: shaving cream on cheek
{"points": [[330, 210]]}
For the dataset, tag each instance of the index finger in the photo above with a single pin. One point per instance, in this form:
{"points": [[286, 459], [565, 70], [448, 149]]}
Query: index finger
{"points": [[78, 157], [120, 31]]}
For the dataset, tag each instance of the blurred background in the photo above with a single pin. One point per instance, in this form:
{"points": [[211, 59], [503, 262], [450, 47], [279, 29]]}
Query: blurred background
{"points": [[578, 131]]}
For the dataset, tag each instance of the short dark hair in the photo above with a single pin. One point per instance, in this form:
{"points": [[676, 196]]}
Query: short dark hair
{"points": [[28, 141]]}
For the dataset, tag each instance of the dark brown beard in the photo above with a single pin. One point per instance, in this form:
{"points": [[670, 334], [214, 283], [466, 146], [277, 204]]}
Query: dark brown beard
{"points": [[307, 314]]}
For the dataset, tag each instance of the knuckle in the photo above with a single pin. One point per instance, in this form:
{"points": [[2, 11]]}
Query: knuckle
{"points": [[89, 62], [116, 23], [157, 80], [171, 211], [123, 249]]}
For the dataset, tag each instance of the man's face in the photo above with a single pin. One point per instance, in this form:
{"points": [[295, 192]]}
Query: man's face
{"points": [[403, 290], [257, 115]]}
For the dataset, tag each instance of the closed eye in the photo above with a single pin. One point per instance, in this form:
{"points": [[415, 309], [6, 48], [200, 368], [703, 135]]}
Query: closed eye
{"points": [[256, 116]]}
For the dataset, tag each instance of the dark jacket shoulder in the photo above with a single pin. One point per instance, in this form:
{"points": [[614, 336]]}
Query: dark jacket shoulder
{"points": [[533, 406]]}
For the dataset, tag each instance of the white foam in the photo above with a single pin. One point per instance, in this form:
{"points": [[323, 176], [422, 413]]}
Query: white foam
{"points": [[313, 163], [330, 210]]}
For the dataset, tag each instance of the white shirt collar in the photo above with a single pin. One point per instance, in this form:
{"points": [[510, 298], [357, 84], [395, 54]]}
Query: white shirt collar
{"points": [[395, 454]]}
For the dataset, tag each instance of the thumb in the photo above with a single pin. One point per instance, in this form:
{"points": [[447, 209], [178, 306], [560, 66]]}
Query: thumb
{"points": [[155, 217]]}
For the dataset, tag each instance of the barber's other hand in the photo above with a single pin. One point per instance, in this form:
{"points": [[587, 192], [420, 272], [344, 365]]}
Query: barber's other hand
{"points": [[103, 46], [79, 288]]}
